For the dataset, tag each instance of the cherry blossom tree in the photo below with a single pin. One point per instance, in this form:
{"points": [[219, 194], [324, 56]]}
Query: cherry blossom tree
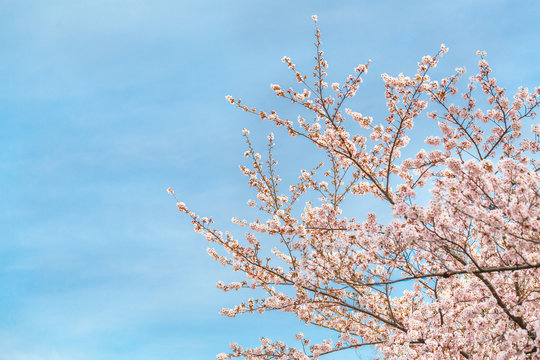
{"points": [[457, 276]]}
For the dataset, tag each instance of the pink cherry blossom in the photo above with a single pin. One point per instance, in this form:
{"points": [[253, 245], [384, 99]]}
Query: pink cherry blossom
{"points": [[456, 276]]}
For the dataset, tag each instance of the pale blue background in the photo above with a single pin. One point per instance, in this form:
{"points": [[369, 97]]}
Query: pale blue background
{"points": [[104, 104]]}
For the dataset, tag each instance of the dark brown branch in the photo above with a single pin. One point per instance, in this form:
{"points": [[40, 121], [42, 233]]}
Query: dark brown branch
{"points": [[446, 274]]}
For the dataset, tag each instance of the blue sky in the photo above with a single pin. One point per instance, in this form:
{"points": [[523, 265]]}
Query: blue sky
{"points": [[104, 104]]}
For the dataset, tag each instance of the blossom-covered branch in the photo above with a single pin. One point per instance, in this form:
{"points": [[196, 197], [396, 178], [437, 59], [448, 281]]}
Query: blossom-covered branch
{"points": [[468, 260]]}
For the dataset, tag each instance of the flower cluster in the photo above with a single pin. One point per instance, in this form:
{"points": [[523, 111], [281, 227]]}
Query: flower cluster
{"points": [[456, 278]]}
